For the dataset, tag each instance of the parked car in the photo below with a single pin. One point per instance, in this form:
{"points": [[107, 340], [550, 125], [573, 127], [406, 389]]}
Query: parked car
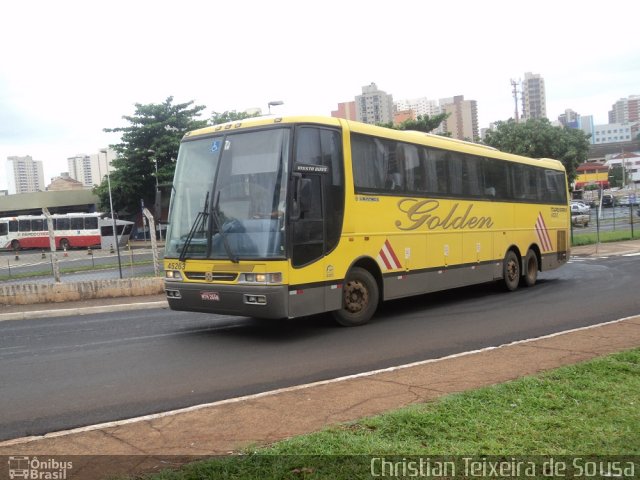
{"points": [[580, 220], [578, 206], [627, 200], [608, 200]]}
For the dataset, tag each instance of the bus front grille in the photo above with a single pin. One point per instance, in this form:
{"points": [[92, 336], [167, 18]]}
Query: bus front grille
{"points": [[212, 276]]}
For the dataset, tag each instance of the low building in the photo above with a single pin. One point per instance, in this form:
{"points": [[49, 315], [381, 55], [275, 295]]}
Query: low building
{"points": [[64, 182], [66, 201], [592, 173], [630, 162]]}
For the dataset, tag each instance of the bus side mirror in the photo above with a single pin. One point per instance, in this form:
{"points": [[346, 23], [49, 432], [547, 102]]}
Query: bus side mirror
{"points": [[301, 197]]}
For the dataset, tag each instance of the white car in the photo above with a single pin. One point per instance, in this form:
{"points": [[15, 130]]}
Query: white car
{"points": [[578, 206]]}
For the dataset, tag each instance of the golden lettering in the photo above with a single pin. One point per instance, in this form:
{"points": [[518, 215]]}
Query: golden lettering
{"points": [[425, 212]]}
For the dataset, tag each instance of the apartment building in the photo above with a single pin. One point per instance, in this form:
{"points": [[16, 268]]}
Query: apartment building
{"points": [[90, 169], [462, 121], [534, 97], [374, 105], [24, 175]]}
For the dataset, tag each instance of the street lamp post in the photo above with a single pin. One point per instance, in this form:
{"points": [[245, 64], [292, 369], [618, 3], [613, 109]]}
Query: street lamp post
{"points": [[113, 220], [156, 201], [274, 103]]}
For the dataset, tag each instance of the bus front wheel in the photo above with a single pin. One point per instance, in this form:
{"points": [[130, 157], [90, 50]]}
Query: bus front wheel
{"points": [[511, 271], [15, 245], [64, 244], [360, 297]]}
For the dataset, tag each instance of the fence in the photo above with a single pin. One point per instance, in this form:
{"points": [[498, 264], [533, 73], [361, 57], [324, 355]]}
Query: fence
{"points": [[54, 274], [607, 224]]}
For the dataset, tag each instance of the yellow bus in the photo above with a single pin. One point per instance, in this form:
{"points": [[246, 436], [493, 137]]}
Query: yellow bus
{"points": [[293, 216]]}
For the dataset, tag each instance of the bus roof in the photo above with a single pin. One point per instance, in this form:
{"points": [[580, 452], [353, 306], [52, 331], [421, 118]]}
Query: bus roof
{"points": [[410, 136], [55, 215]]}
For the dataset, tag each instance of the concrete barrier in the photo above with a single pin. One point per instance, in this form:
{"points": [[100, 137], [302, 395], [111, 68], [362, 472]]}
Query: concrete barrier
{"points": [[26, 294]]}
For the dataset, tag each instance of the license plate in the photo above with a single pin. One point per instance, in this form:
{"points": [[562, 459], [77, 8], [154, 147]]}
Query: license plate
{"points": [[210, 296]]}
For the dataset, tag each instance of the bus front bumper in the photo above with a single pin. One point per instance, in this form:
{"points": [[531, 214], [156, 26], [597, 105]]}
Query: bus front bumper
{"points": [[247, 300]]}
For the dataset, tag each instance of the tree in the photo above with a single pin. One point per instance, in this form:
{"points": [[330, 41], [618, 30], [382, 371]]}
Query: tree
{"points": [[617, 176], [230, 116], [423, 123], [537, 138], [152, 139]]}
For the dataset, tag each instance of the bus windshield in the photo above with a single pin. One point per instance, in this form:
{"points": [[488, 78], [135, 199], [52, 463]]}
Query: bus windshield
{"points": [[229, 200]]}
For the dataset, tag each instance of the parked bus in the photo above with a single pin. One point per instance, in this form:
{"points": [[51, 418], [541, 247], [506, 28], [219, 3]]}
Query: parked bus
{"points": [[295, 216], [71, 230]]}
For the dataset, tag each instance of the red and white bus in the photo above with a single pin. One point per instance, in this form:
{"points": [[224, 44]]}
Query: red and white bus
{"points": [[71, 230]]}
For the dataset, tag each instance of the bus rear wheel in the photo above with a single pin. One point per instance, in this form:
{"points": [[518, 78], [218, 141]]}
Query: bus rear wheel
{"points": [[15, 245], [360, 297], [64, 244], [531, 269], [511, 271]]}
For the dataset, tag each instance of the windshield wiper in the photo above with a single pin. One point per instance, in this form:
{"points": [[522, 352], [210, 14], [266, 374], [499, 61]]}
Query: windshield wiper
{"points": [[199, 224], [225, 241]]}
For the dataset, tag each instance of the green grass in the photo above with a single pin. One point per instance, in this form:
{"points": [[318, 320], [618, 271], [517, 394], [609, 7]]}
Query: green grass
{"points": [[591, 408], [605, 237]]}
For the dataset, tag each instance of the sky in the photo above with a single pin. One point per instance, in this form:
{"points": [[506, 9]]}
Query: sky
{"points": [[69, 69]]}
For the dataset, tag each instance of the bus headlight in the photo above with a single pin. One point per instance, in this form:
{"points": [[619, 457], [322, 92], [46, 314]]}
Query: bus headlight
{"points": [[174, 275], [261, 278]]}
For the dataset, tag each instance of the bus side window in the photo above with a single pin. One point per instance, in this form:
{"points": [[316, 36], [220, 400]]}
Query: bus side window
{"points": [[370, 163], [437, 171], [77, 223], [62, 224], [38, 225], [13, 225], [91, 223], [409, 161]]}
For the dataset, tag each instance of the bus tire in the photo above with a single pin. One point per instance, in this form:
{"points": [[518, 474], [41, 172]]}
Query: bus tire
{"points": [[15, 245], [64, 244], [531, 269], [360, 296], [511, 271]]}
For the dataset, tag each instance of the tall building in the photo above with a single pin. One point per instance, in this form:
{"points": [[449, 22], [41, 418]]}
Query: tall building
{"points": [[422, 106], [625, 110], [462, 121], [569, 119], [587, 126], [80, 169], [534, 97], [25, 175], [374, 106], [346, 110], [90, 169]]}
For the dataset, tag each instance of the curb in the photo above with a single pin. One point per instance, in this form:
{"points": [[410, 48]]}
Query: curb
{"points": [[64, 312]]}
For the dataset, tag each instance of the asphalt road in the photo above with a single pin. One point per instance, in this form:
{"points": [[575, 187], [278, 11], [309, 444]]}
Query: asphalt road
{"points": [[67, 372]]}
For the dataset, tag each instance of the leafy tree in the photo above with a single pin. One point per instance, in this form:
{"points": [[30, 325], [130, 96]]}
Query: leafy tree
{"points": [[423, 123], [537, 138], [151, 139], [230, 116], [617, 176]]}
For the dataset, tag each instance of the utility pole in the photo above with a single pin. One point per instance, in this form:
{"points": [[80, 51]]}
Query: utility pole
{"points": [[514, 84]]}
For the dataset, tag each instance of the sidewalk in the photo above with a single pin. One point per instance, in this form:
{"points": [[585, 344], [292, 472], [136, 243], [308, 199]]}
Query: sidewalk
{"points": [[610, 248]]}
